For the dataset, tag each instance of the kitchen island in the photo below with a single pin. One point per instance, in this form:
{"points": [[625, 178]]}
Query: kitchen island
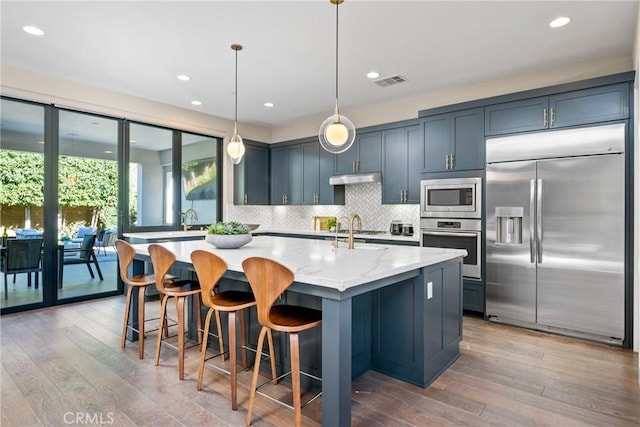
{"points": [[394, 309]]}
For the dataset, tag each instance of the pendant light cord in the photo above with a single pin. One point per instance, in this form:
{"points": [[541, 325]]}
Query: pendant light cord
{"points": [[235, 117], [337, 4]]}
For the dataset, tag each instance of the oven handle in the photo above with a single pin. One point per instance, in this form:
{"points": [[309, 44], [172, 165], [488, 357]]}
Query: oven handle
{"points": [[453, 233]]}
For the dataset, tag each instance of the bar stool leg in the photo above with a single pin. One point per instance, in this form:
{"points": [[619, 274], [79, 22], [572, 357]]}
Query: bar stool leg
{"points": [[141, 321], [295, 375], [163, 323], [126, 317], [220, 342], [256, 370], [180, 314], [203, 350], [243, 339], [233, 360], [272, 356], [198, 310]]}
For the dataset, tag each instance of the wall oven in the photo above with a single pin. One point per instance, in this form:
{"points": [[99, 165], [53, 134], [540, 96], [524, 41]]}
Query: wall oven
{"points": [[451, 217], [451, 198], [455, 234]]}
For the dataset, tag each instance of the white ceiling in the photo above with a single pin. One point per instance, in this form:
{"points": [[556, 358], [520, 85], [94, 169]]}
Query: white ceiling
{"points": [[138, 48]]}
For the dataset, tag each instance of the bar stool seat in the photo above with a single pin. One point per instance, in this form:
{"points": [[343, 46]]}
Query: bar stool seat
{"points": [[162, 260], [126, 253], [210, 268], [268, 280]]}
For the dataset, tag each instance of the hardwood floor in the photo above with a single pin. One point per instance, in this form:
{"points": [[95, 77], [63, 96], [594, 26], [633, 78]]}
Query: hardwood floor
{"points": [[64, 366]]}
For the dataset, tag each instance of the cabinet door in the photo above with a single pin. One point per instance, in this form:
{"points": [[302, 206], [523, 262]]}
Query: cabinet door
{"points": [[518, 116], [295, 175], [436, 132], [415, 166], [369, 152], [326, 191], [311, 173], [279, 175], [593, 105], [394, 178], [345, 162], [468, 139], [256, 175]]}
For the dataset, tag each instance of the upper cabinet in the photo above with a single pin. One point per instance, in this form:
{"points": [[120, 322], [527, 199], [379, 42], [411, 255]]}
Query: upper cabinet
{"points": [[402, 150], [454, 141], [251, 176], [365, 155], [578, 107], [286, 171], [318, 167], [300, 176]]}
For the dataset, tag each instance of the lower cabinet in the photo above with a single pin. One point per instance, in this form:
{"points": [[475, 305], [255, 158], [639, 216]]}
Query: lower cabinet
{"points": [[417, 325], [473, 296]]}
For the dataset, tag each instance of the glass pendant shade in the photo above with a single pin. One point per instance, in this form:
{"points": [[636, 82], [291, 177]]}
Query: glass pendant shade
{"points": [[337, 134], [235, 148]]}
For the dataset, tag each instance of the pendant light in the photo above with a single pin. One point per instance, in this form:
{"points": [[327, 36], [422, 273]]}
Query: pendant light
{"points": [[235, 148], [337, 132]]}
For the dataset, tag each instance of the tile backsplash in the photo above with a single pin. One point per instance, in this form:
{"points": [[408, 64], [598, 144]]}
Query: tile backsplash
{"points": [[363, 199]]}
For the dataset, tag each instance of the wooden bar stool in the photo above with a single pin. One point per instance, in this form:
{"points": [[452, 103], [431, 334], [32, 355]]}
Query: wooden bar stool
{"points": [[268, 280], [210, 268], [126, 253], [162, 260]]}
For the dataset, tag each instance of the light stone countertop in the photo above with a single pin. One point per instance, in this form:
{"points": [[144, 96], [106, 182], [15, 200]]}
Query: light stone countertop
{"points": [[316, 262], [178, 234]]}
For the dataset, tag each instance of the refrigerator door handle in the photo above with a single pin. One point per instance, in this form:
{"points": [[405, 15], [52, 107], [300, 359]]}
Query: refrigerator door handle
{"points": [[532, 211], [539, 220]]}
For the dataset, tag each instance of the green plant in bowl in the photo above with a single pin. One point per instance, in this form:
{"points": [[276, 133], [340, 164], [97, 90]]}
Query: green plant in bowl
{"points": [[331, 223], [230, 227]]}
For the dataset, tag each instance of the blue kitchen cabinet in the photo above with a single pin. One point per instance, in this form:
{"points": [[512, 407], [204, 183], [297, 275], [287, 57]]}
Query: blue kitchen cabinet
{"points": [[286, 171], [318, 167], [454, 141], [251, 176], [592, 105], [365, 155], [401, 165]]}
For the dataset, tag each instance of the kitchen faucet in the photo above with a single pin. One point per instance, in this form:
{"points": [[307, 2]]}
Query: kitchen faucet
{"points": [[189, 212], [337, 227], [354, 217]]}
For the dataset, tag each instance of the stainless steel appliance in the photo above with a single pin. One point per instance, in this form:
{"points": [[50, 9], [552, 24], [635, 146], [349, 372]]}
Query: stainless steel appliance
{"points": [[395, 228], [555, 231], [451, 198], [456, 234]]}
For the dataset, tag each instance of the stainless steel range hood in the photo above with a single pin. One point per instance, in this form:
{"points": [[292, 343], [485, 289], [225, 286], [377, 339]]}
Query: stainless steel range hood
{"points": [[355, 178]]}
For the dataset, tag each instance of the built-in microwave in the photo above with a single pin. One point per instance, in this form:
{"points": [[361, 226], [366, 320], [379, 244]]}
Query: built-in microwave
{"points": [[451, 198]]}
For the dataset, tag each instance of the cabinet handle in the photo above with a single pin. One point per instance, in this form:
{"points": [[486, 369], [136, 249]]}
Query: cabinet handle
{"points": [[544, 117], [552, 118], [246, 198], [452, 160], [406, 192], [286, 199], [353, 166], [357, 166], [401, 195], [446, 162]]}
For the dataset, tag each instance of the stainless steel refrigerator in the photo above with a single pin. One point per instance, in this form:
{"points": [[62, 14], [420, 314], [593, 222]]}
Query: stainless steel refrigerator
{"points": [[555, 229]]}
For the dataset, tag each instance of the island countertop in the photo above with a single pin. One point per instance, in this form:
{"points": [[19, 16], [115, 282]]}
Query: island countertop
{"points": [[317, 262]]}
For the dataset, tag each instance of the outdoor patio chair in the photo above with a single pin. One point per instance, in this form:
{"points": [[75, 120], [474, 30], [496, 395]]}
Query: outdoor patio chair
{"points": [[86, 255], [21, 256]]}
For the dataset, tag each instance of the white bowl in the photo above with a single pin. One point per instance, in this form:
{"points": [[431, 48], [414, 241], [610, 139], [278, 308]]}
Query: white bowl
{"points": [[228, 241]]}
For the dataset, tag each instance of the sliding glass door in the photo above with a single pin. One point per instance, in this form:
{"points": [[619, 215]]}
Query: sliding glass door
{"points": [[87, 204], [21, 203]]}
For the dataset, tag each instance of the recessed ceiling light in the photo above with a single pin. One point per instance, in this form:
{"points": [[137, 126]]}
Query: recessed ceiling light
{"points": [[34, 31], [268, 104], [108, 152], [560, 22], [184, 77], [373, 75], [40, 142], [196, 102]]}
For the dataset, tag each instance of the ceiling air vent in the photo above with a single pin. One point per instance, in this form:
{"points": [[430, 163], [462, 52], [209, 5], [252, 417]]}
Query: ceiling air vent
{"points": [[388, 81]]}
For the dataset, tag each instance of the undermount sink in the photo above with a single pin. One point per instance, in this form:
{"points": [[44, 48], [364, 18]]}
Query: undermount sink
{"points": [[369, 247]]}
